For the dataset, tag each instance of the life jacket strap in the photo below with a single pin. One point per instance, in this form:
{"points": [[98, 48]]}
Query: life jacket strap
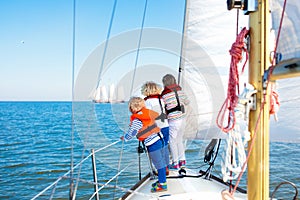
{"points": [[146, 130], [178, 107]]}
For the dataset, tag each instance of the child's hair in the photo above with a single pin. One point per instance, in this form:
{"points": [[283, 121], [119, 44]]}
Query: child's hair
{"points": [[135, 104], [168, 79], [150, 88]]}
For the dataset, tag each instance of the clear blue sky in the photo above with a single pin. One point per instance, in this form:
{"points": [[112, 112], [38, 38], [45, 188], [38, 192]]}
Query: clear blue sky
{"points": [[36, 40]]}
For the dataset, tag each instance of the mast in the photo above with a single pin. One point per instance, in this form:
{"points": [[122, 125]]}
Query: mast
{"points": [[258, 165]]}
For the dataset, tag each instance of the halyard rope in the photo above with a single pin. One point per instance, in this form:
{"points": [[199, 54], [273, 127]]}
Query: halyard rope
{"points": [[233, 83]]}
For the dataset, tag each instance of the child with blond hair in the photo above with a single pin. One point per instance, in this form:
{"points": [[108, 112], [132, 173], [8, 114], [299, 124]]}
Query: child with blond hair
{"points": [[153, 100], [143, 126]]}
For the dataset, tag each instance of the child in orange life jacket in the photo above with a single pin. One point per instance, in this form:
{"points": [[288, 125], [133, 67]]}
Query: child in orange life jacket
{"points": [[175, 100], [143, 126], [154, 102]]}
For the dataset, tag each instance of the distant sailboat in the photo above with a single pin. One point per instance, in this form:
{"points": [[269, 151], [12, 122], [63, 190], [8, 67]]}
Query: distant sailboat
{"points": [[120, 94], [113, 95], [97, 95], [100, 95]]}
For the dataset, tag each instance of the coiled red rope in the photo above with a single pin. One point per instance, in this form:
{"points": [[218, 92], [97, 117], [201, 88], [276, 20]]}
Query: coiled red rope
{"points": [[238, 47]]}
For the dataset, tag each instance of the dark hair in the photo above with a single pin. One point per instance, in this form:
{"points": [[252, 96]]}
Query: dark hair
{"points": [[168, 79]]}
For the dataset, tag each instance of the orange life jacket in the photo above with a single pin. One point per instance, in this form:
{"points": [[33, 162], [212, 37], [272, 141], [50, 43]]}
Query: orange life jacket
{"points": [[148, 120]]}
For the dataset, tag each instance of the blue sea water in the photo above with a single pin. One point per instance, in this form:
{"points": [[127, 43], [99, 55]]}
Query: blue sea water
{"points": [[38, 141]]}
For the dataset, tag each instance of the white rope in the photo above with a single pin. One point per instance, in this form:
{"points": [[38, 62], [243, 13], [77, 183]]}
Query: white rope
{"points": [[234, 155]]}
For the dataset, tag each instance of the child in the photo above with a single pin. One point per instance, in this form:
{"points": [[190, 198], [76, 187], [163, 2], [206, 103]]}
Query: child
{"points": [[153, 102], [143, 126], [175, 99]]}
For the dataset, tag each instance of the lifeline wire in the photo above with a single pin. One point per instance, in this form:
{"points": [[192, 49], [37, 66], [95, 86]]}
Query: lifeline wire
{"points": [[78, 164]]}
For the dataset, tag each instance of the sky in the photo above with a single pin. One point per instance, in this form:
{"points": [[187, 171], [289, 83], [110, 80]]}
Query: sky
{"points": [[37, 40]]}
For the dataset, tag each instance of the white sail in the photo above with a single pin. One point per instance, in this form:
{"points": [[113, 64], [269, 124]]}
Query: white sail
{"points": [[97, 94], [112, 96], [120, 94], [209, 32], [104, 95]]}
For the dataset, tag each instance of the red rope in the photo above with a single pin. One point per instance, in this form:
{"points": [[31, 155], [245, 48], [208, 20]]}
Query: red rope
{"points": [[274, 102], [263, 104], [238, 47]]}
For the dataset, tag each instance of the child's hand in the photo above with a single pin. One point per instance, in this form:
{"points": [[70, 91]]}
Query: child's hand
{"points": [[122, 138]]}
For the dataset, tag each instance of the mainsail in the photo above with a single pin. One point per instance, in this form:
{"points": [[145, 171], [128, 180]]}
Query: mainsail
{"points": [[209, 32], [205, 64]]}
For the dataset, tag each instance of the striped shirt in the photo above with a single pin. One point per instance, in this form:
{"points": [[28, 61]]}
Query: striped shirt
{"points": [[133, 130], [171, 102]]}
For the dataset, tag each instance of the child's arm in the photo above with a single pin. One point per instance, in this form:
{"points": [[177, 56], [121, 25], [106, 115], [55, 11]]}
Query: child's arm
{"points": [[134, 128]]}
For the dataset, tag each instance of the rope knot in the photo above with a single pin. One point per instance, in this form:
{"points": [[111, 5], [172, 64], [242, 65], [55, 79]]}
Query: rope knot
{"points": [[231, 101]]}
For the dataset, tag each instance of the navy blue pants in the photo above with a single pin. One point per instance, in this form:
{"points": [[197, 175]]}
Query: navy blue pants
{"points": [[156, 154]]}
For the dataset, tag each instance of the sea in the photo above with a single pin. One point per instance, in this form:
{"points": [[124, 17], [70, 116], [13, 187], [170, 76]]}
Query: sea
{"points": [[45, 149]]}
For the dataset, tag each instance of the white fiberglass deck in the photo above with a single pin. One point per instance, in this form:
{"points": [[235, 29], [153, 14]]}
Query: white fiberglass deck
{"points": [[188, 188]]}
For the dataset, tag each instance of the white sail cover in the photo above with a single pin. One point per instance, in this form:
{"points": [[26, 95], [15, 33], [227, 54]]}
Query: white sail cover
{"points": [[210, 30]]}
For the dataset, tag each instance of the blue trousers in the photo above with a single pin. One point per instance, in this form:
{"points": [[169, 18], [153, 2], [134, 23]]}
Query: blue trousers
{"points": [[156, 154], [166, 136]]}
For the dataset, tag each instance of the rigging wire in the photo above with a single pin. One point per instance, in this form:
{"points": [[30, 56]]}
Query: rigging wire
{"points": [[139, 46], [106, 43], [98, 81], [73, 85], [79, 170]]}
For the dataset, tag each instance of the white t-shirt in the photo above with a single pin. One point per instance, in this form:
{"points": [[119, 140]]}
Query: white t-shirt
{"points": [[153, 104]]}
